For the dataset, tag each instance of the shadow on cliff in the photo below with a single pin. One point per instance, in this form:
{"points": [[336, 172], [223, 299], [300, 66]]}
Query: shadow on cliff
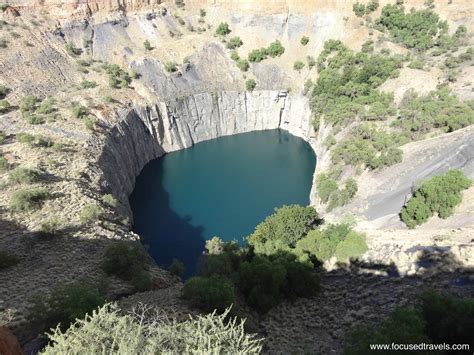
{"points": [[165, 234]]}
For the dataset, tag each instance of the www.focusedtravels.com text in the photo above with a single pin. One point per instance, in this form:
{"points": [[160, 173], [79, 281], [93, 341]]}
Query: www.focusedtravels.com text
{"points": [[420, 347]]}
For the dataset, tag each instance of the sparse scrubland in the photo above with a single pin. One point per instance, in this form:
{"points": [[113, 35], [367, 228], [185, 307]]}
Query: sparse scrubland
{"points": [[53, 196]]}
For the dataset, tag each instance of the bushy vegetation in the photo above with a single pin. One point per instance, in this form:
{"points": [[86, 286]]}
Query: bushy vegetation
{"points": [[441, 109], [64, 305], [283, 228], [223, 29], [90, 213], [234, 42], [438, 195], [298, 65], [128, 262], [250, 84], [418, 29], [7, 260], [110, 200], [35, 141], [4, 106], [275, 49], [370, 147], [171, 67], [435, 319], [71, 49], [147, 45], [28, 200], [177, 268], [361, 9], [88, 84], [266, 280], [3, 91], [304, 40], [33, 110], [347, 85], [330, 193], [117, 76], [209, 293], [25, 176], [110, 331], [294, 230]]}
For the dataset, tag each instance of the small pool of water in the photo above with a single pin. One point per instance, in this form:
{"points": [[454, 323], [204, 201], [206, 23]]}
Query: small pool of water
{"points": [[223, 187]]}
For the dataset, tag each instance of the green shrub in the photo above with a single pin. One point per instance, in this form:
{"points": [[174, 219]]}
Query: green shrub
{"points": [[257, 55], [275, 49], [116, 76], [90, 123], [25, 176], [90, 213], [234, 42], [298, 65], [440, 195], [88, 84], [171, 67], [124, 260], [266, 281], [147, 45], [439, 109], [79, 111], [250, 84], [25, 138], [28, 200], [415, 29], [4, 106], [64, 305], [336, 240], [7, 260], [202, 13], [359, 9], [28, 104], [46, 107], [209, 294], [71, 49], [223, 29], [307, 85], [283, 228], [304, 40], [177, 268], [435, 319], [3, 91], [110, 200], [311, 62], [234, 56], [3, 137], [109, 331], [325, 186], [51, 226], [243, 65]]}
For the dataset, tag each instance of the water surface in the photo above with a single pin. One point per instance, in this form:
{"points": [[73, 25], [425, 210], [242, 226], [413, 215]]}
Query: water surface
{"points": [[223, 187]]}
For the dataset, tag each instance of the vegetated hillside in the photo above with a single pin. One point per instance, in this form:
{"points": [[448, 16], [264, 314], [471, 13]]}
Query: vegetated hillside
{"points": [[70, 70]]}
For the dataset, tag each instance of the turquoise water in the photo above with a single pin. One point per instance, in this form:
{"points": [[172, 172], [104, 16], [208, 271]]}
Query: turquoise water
{"points": [[223, 187]]}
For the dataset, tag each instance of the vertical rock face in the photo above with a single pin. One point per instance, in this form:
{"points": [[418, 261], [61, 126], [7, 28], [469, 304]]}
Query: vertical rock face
{"points": [[145, 133]]}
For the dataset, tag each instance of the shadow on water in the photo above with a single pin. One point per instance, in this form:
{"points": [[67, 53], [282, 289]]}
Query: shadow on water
{"points": [[175, 239]]}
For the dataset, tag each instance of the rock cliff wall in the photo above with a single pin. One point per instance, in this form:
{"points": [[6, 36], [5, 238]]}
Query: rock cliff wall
{"points": [[145, 133]]}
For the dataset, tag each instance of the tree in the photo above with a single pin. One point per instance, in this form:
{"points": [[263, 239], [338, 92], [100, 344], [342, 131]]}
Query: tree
{"points": [[304, 40], [283, 228], [147, 45], [275, 49]]}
